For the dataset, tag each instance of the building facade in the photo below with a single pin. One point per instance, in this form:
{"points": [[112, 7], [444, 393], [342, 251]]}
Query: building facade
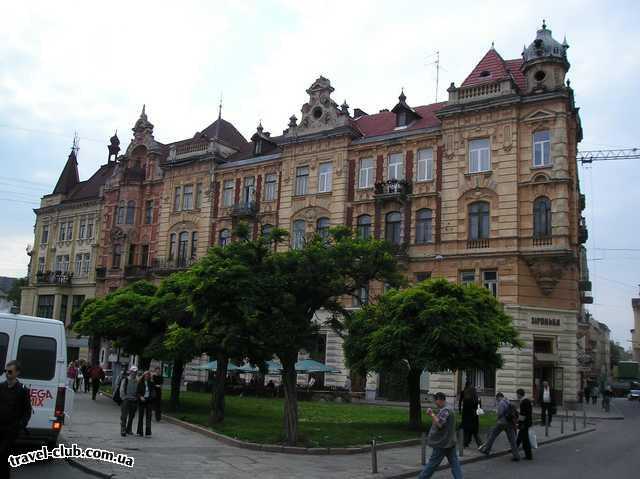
{"points": [[482, 188]]}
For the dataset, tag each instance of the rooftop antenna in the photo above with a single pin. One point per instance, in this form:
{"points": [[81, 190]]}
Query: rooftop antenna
{"points": [[438, 67]]}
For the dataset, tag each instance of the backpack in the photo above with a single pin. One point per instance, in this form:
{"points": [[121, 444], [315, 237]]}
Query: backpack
{"points": [[512, 414]]}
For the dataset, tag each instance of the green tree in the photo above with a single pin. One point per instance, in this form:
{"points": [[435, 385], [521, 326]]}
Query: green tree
{"points": [[222, 296], [617, 353], [434, 325], [124, 316], [293, 285], [172, 314], [14, 295]]}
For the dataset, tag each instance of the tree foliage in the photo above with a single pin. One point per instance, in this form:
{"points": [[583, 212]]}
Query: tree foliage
{"points": [[295, 284], [14, 295], [434, 325]]}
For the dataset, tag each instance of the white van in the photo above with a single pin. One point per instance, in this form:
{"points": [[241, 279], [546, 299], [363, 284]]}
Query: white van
{"points": [[40, 345]]}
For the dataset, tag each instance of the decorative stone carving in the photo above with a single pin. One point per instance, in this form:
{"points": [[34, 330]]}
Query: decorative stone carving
{"points": [[548, 269], [117, 234]]}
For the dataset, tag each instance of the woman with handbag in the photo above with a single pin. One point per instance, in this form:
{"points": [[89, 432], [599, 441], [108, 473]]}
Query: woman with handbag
{"points": [[469, 406]]}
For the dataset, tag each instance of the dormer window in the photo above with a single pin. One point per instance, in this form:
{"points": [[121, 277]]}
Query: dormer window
{"points": [[405, 115], [258, 147], [401, 119], [485, 73]]}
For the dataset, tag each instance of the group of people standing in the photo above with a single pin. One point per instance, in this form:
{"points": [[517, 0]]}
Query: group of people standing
{"points": [[81, 376], [514, 422], [139, 393]]}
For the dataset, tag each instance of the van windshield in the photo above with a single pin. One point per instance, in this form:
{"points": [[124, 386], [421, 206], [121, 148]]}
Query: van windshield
{"points": [[4, 345], [37, 357]]}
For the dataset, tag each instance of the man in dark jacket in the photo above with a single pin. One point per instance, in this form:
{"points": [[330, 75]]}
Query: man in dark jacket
{"points": [[546, 402], [525, 421], [145, 394], [15, 412]]}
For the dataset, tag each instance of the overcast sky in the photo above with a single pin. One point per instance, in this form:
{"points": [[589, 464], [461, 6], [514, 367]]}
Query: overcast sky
{"points": [[88, 67]]}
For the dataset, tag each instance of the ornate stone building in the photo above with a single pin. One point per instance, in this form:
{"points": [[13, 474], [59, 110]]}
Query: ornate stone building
{"points": [[62, 271], [482, 188]]}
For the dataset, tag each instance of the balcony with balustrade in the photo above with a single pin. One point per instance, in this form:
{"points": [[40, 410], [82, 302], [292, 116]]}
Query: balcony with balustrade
{"points": [[244, 209], [397, 190], [59, 278], [166, 266]]}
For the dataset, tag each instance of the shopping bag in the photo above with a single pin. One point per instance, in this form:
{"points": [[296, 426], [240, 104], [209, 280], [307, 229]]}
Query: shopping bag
{"points": [[479, 411], [533, 440]]}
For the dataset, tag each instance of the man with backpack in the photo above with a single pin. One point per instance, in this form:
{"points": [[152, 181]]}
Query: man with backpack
{"points": [[125, 395], [508, 422]]}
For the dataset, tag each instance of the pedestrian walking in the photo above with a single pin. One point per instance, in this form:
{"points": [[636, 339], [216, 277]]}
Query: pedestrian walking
{"points": [[84, 368], [96, 373], [15, 412], [145, 394], [468, 405], [72, 372], [547, 404], [525, 421], [442, 439], [507, 421], [127, 387], [594, 395], [157, 381], [606, 398]]}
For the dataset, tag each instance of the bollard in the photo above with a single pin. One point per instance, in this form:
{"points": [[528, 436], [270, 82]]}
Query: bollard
{"points": [[574, 421], [546, 425], [374, 457], [584, 419], [461, 442], [561, 424]]}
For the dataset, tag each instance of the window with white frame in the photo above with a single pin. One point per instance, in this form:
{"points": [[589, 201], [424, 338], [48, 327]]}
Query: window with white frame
{"points": [[298, 234], [467, 277], [490, 281], [62, 263], [479, 155], [425, 165], [82, 231], [120, 210], [187, 197], [324, 177], [176, 198], [90, 228], [541, 148], [224, 238], [44, 239], [364, 227], [62, 231], [69, 230], [270, 185], [478, 220], [302, 180], [131, 211], [78, 265], [227, 194], [424, 226], [322, 228], [86, 263], [396, 167], [41, 265], [249, 190], [366, 173]]}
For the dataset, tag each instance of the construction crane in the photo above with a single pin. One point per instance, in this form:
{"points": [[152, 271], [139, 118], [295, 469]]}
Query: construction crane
{"points": [[608, 155]]}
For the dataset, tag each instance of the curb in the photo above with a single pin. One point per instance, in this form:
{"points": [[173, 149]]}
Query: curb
{"points": [[413, 473], [87, 469]]}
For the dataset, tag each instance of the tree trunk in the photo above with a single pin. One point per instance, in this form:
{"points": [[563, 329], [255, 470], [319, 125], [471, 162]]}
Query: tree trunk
{"points": [[176, 380], [415, 413], [94, 341], [216, 415], [289, 379]]}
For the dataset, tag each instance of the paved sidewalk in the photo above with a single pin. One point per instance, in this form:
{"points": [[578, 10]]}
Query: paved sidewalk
{"points": [[175, 452]]}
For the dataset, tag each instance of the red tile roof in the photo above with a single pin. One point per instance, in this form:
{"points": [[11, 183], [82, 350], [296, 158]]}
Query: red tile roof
{"points": [[385, 122], [497, 69], [90, 189]]}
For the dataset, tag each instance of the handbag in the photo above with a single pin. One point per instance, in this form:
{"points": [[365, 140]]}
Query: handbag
{"points": [[479, 411], [533, 440]]}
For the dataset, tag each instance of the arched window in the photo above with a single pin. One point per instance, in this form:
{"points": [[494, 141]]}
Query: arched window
{"points": [[424, 226], [194, 245], [542, 217], [120, 209], [392, 227], [479, 220], [131, 208], [225, 237], [172, 246], [183, 242], [298, 234], [266, 229], [364, 227], [322, 227]]}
